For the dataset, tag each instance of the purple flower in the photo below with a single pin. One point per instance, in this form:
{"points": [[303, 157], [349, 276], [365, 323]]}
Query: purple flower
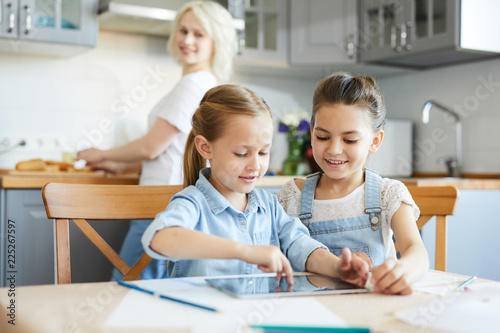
{"points": [[283, 128], [303, 126]]}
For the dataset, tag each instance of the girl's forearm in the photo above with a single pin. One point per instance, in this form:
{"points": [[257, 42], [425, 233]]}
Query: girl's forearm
{"points": [[417, 261], [321, 261], [157, 139], [134, 151], [181, 243]]}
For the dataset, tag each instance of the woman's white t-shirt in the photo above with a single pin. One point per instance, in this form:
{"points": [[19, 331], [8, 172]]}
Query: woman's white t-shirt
{"points": [[177, 107], [392, 194]]}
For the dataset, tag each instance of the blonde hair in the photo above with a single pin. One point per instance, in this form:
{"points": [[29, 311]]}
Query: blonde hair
{"points": [[343, 88], [210, 120], [218, 24]]}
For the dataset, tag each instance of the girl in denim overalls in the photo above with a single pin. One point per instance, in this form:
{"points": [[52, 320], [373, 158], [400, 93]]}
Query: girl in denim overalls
{"points": [[347, 205]]}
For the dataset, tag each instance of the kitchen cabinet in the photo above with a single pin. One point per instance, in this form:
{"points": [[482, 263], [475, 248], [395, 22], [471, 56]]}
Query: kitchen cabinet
{"points": [[27, 242], [323, 32], [422, 33], [266, 36], [35, 26], [316, 32]]}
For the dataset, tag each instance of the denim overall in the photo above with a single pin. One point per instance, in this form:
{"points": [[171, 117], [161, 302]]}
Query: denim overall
{"points": [[360, 233]]}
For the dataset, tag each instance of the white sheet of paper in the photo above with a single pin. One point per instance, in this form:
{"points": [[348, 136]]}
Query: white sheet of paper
{"points": [[475, 310], [437, 283], [138, 309]]}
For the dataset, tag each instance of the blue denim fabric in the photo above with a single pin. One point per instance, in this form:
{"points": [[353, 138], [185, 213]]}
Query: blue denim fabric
{"points": [[203, 208], [359, 233]]}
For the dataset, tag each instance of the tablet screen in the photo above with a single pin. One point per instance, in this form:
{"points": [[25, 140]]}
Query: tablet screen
{"points": [[265, 286]]}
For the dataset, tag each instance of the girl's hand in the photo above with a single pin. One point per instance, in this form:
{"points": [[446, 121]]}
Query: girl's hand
{"points": [[91, 155], [270, 259], [363, 256], [352, 268], [391, 278]]}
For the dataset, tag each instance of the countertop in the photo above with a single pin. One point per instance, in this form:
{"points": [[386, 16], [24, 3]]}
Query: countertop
{"points": [[10, 179], [459, 183], [15, 179], [468, 182]]}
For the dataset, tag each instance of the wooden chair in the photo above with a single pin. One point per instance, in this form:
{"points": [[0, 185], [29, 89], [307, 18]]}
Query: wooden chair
{"points": [[438, 201], [78, 202]]}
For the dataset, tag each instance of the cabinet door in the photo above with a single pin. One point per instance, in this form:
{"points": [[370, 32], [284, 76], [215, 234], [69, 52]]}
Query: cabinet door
{"points": [[323, 31], [65, 22], [432, 24], [34, 238], [401, 28], [9, 18], [381, 23], [265, 33]]}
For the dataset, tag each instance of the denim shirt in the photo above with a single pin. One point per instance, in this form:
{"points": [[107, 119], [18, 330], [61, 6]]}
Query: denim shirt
{"points": [[203, 208]]}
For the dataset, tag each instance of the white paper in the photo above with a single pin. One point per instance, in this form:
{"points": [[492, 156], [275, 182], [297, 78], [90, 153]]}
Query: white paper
{"points": [[474, 310], [141, 310], [438, 283]]}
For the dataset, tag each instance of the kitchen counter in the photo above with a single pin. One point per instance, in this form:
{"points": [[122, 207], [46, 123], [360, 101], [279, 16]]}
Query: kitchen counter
{"points": [[459, 183], [38, 179], [13, 179], [28, 179], [469, 182]]}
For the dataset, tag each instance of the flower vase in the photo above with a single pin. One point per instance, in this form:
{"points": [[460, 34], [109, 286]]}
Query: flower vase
{"points": [[295, 163]]}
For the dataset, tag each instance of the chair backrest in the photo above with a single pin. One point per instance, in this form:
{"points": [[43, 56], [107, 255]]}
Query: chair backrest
{"points": [[78, 202], [438, 201]]}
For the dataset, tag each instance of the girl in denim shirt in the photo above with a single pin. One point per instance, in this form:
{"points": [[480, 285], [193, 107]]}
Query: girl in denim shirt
{"points": [[220, 223], [347, 205]]}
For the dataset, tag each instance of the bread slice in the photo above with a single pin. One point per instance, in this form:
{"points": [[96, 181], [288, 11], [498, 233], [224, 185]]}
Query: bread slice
{"points": [[31, 165]]}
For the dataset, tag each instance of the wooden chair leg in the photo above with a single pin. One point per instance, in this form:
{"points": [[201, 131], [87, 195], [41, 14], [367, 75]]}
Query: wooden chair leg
{"points": [[63, 264], [441, 243]]}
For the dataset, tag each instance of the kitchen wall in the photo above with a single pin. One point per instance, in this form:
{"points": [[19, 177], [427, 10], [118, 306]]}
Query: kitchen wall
{"points": [[102, 97], [473, 90]]}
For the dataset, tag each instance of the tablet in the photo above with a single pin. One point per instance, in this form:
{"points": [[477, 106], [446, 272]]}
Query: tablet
{"points": [[267, 286]]}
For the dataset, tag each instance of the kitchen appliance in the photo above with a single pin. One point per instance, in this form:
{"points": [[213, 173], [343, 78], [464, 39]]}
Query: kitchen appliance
{"points": [[395, 156], [154, 17]]}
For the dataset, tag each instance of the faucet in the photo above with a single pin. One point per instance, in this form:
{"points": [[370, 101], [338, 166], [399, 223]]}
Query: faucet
{"points": [[453, 164]]}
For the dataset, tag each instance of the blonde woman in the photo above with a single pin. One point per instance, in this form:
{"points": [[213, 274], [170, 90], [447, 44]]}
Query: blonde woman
{"points": [[203, 41]]}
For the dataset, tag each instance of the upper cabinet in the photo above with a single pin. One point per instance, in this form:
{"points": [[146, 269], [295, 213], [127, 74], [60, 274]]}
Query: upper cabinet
{"points": [[348, 34], [323, 32], [266, 37], [281, 33], [60, 23], [423, 33]]}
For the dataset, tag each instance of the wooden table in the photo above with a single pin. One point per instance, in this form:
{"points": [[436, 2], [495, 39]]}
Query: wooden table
{"points": [[85, 307]]}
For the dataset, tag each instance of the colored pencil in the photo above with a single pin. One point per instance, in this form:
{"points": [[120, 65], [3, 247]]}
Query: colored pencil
{"points": [[464, 285], [133, 286]]}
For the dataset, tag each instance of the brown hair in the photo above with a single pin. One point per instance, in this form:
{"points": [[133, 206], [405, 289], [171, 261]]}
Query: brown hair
{"points": [[343, 88], [216, 109]]}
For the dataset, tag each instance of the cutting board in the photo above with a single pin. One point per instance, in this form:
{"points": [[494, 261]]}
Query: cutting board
{"points": [[57, 173]]}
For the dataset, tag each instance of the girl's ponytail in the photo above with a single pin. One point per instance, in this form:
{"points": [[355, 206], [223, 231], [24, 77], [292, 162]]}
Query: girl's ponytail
{"points": [[193, 161]]}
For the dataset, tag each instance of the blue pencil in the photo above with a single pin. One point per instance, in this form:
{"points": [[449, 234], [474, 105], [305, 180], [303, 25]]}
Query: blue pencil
{"points": [[133, 286]]}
